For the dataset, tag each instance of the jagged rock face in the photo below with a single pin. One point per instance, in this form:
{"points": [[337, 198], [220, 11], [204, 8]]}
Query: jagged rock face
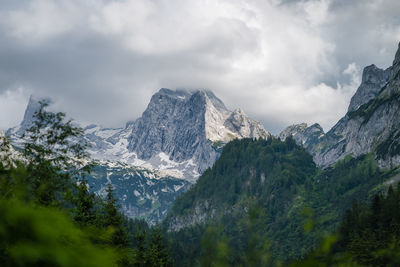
{"points": [[242, 126], [368, 128], [183, 125], [304, 135], [293, 130], [373, 79], [174, 123], [372, 123]]}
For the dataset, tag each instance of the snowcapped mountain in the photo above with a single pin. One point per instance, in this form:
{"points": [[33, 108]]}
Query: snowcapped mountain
{"points": [[153, 159], [180, 133]]}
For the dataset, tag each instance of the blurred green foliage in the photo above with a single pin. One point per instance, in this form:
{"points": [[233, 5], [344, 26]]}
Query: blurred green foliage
{"points": [[31, 235]]}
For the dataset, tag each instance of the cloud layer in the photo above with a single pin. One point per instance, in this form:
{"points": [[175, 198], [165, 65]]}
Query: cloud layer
{"points": [[283, 62]]}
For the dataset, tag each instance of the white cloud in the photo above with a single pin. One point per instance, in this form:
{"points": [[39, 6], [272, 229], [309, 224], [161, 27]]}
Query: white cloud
{"points": [[317, 11]]}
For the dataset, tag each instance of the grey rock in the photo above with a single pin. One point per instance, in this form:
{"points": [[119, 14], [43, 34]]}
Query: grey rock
{"points": [[371, 125], [174, 123], [179, 131], [373, 79], [306, 136]]}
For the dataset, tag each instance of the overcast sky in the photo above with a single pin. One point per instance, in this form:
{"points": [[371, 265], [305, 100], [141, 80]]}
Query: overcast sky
{"points": [[282, 62]]}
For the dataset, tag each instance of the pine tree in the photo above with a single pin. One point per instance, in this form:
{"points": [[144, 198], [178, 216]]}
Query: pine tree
{"points": [[85, 213], [140, 249], [157, 255], [114, 219]]}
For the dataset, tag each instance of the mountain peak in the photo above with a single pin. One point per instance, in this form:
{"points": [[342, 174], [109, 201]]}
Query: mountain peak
{"points": [[371, 74], [373, 79], [32, 107]]}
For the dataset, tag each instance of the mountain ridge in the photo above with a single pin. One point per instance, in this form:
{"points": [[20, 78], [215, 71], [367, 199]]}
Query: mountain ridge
{"points": [[176, 133], [371, 123]]}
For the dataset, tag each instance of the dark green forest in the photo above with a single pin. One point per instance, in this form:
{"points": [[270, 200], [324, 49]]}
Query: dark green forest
{"points": [[263, 203], [266, 203]]}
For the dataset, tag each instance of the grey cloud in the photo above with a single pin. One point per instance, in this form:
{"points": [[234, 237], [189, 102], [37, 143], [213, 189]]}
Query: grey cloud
{"points": [[105, 65]]}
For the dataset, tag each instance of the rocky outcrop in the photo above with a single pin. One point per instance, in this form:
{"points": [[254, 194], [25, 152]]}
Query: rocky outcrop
{"points": [[372, 127], [372, 123], [306, 136], [373, 79]]}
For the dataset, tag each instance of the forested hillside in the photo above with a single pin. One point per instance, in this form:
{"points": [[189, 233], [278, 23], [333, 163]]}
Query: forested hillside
{"points": [[267, 195]]}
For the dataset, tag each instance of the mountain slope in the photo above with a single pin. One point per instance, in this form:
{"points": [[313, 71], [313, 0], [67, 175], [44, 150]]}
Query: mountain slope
{"points": [[260, 191], [246, 167], [141, 193], [372, 123]]}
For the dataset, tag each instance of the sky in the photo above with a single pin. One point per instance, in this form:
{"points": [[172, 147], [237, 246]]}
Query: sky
{"points": [[281, 61]]}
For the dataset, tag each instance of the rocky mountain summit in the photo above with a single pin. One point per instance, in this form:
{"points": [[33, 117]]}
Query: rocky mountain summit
{"points": [[183, 127], [373, 79], [14, 134], [179, 133], [372, 123]]}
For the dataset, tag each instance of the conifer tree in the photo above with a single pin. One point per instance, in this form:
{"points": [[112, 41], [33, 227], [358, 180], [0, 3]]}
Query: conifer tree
{"points": [[114, 219], [140, 249], [85, 213], [157, 255]]}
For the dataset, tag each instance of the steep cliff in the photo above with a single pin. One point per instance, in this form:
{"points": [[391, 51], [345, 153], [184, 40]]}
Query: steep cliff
{"points": [[372, 123]]}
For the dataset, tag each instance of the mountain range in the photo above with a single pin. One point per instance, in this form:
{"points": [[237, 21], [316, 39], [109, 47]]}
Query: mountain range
{"points": [[157, 156], [181, 134]]}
